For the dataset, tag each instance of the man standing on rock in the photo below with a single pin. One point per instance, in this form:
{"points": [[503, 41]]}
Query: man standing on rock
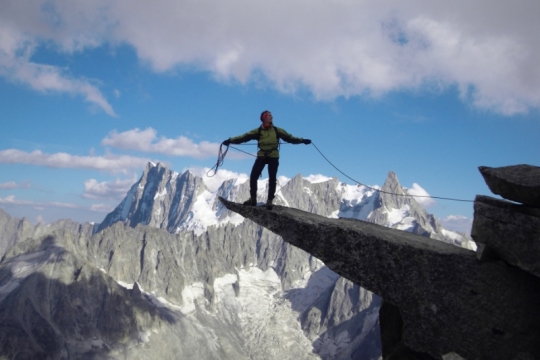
{"points": [[268, 137]]}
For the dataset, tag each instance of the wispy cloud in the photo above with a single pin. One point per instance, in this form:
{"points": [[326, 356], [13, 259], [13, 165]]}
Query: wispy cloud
{"points": [[459, 223], [111, 163], [53, 206], [14, 185], [11, 200], [147, 141], [116, 189], [16, 66], [488, 49]]}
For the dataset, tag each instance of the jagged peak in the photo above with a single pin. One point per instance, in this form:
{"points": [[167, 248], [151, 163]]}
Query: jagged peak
{"points": [[149, 166], [392, 184]]}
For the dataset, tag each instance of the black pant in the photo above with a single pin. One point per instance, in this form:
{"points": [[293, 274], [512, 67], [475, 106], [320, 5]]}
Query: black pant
{"points": [[256, 171]]}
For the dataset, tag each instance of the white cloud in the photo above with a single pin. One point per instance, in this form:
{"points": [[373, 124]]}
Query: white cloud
{"points": [[14, 185], [459, 223], [116, 189], [112, 163], [487, 48], [147, 141], [421, 195], [11, 200], [214, 181], [16, 66]]}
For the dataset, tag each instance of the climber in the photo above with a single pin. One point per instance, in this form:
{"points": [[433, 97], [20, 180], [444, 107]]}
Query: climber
{"points": [[268, 137]]}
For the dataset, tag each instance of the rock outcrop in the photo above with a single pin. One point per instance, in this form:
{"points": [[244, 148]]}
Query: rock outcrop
{"points": [[447, 299], [517, 183]]}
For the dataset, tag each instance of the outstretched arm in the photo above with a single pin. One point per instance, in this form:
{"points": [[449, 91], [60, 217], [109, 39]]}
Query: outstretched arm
{"points": [[292, 139], [250, 135]]}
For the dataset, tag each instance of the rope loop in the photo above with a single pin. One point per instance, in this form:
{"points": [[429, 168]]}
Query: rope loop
{"points": [[220, 160]]}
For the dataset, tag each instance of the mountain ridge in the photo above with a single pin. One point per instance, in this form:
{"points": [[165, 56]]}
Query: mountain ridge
{"points": [[200, 207]]}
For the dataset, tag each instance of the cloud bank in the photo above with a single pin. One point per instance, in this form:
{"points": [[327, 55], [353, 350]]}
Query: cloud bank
{"points": [[116, 189], [147, 141], [488, 50]]}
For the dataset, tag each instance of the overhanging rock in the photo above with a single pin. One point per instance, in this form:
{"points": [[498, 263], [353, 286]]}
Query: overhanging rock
{"points": [[519, 183], [449, 301]]}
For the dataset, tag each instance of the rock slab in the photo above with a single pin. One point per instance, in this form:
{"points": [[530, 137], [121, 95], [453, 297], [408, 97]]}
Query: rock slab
{"points": [[450, 302]]}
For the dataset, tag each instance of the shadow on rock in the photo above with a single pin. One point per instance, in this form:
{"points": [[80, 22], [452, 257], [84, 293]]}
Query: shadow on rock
{"points": [[54, 305]]}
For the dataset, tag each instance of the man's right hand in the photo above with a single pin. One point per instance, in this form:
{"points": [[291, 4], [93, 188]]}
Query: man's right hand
{"points": [[227, 142]]}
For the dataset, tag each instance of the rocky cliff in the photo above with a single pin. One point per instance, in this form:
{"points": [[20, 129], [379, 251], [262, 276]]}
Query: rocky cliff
{"points": [[443, 299]]}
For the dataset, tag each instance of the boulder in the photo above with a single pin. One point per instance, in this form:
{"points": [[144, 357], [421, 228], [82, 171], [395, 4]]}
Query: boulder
{"points": [[519, 183]]}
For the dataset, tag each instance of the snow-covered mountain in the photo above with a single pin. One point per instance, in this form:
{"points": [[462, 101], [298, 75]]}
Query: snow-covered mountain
{"points": [[193, 280], [182, 202]]}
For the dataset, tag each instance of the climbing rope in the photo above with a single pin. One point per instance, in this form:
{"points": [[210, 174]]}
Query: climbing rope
{"points": [[221, 158], [386, 192]]}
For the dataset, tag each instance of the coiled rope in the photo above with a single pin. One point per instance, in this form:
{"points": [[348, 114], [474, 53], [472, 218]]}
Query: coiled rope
{"points": [[221, 158]]}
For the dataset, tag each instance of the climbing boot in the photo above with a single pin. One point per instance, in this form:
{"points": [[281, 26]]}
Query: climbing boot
{"points": [[269, 204], [250, 202]]}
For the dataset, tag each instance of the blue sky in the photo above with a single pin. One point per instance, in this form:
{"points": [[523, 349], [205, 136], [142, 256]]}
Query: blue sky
{"points": [[90, 91]]}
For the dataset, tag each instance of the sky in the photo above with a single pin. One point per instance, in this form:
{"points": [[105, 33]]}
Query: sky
{"points": [[92, 90]]}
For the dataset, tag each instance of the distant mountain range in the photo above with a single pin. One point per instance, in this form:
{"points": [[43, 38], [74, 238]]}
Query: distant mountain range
{"points": [[171, 273]]}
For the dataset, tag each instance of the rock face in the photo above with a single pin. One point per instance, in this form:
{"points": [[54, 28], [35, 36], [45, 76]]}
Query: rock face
{"points": [[447, 299], [13, 231], [66, 306]]}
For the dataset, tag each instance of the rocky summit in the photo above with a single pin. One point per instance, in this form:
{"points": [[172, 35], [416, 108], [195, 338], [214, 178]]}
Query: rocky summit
{"points": [[172, 273], [443, 300]]}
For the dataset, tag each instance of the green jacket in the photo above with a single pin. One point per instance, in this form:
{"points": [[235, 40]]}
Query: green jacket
{"points": [[268, 141]]}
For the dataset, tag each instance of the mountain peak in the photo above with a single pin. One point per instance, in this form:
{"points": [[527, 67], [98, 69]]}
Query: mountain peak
{"points": [[161, 198]]}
